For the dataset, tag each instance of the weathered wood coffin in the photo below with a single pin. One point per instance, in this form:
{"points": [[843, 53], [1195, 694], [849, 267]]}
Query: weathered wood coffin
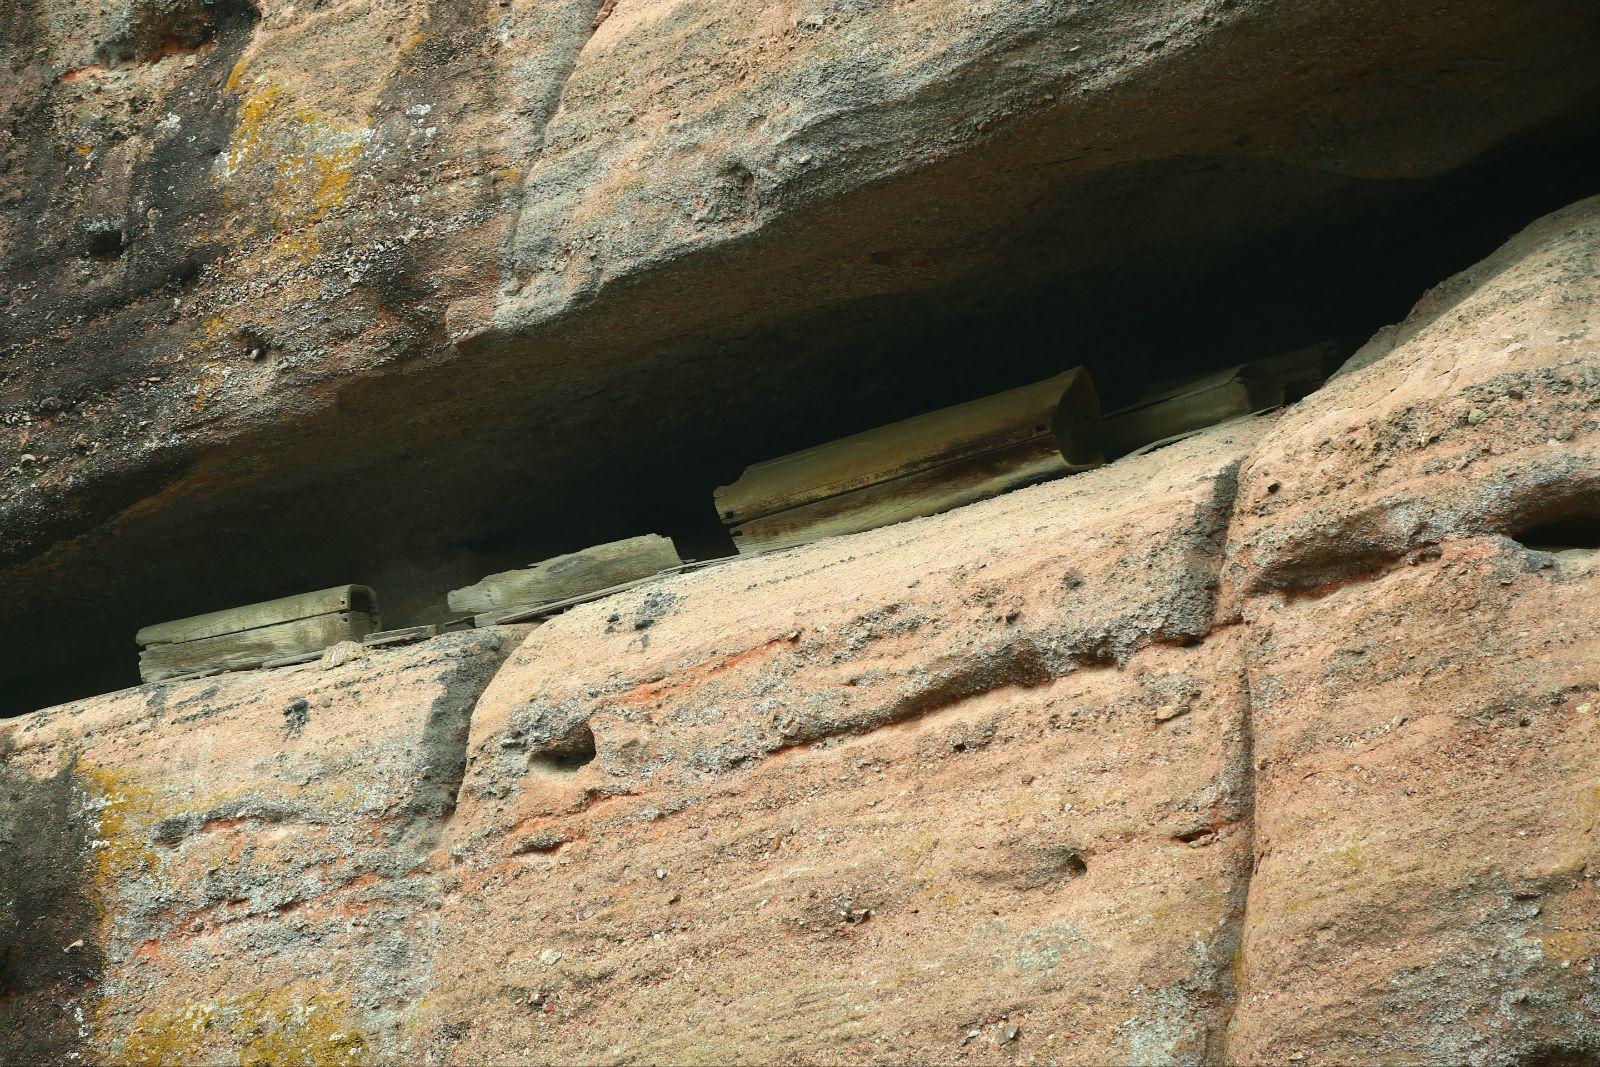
{"points": [[564, 577], [1174, 413], [920, 466], [250, 636]]}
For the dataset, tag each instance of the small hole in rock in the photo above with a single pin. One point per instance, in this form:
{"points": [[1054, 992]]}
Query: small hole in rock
{"points": [[1562, 535], [571, 754], [1560, 1056], [104, 238]]}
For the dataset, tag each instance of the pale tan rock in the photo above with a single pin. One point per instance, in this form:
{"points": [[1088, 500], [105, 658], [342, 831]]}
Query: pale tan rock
{"points": [[901, 786], [1144, 765], [1427, 869]]}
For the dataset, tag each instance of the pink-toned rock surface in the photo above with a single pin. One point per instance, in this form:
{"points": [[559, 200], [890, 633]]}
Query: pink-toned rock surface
{"points": [[1428, 863], [1478, 414], [1424, 687], [1272, 745], [949, 790], [237, 866]]}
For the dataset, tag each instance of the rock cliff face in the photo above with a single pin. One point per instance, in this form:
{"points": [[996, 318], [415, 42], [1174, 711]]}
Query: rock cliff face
{"points": [[304, 293], [1271, 745]]}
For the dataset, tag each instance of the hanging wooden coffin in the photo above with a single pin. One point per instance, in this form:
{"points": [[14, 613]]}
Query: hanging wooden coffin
{"points": [[247, 637], [920, 466], [1188, 409], [568, 576]]}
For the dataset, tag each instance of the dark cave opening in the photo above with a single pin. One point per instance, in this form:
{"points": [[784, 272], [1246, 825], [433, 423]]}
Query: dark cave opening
{"points": [[427, 513]]}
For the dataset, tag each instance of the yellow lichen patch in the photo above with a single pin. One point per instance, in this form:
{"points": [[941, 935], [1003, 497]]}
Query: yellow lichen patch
{"points": [[276, 1029], [297, 159], [273, 1028], [1590, 816], [1569, 946], [157, 1039], [236, 78], [123, 813]]}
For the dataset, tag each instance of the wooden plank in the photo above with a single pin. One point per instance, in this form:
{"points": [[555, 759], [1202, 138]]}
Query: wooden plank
{"points": [[1302, 371], [403, 636], [912, 446], [926, 492], [356, 598], [555, 607], [252, 648], [292, 661], [1238, 391], [566, 576], [1154, 446]]}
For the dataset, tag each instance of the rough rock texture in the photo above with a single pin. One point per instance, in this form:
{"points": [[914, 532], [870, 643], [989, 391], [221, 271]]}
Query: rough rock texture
{"points": [[1271, 745], [436, 264], [234, 866], [1424, 686], [908, 787]]}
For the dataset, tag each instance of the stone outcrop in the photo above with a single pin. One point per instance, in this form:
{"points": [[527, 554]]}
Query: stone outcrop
{"points": [[236, 867], [332, 286], [1271, 745]]}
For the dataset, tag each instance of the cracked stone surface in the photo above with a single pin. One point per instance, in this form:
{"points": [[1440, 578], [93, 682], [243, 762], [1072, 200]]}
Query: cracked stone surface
{"points": [[1143, 765]]}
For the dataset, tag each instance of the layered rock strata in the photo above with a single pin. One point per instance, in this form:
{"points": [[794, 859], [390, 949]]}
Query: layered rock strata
{"points": [[1273, 744]]}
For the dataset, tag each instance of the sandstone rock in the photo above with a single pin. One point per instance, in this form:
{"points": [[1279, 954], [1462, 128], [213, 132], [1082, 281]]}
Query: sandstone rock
{"points": [[245, 858], [832, 735], [1415, 676], [1202, 756], [1422, 772], [1384, 460]]}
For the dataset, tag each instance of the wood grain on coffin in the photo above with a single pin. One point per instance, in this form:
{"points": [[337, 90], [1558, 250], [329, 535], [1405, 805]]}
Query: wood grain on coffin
{"points": [[252, 648], [924, 493], [1238, 391], [574, 574], [902, 450], [353, 598], [403, 636]]}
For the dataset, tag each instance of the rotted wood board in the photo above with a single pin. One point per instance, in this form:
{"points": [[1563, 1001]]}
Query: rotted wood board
{"points": [[1300, 371], [353, 598], [1028, 417], [403, 636], [926, 492], [1235, 392], [1304, 370], [567, 576], [252, 648]]}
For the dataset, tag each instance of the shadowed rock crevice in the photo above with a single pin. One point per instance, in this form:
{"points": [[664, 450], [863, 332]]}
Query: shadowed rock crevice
{"points": [[49, 915], [1240, 783], [443, 746], [1547, 504], [455, 443]]}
